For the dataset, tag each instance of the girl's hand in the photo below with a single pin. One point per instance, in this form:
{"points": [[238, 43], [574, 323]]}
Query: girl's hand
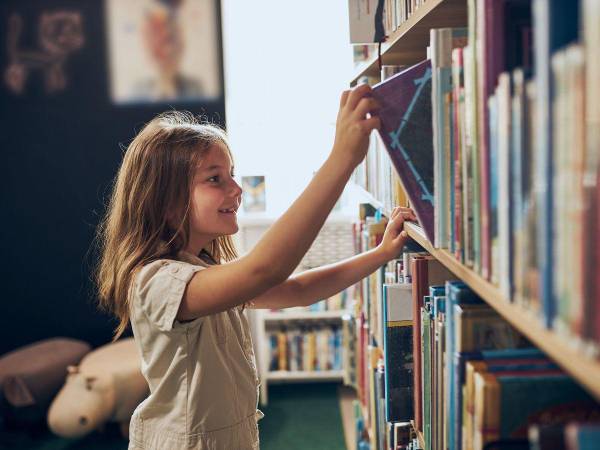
{"points": [[394, 237], [353, 128]]}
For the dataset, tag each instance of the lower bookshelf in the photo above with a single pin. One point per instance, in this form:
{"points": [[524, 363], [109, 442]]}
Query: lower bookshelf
{"points": [[263, 320], [573, 360]]}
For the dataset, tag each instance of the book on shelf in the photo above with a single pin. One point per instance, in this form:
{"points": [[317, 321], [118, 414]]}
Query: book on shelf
{"points": [[366, 21], [556, 24], [442, 41], [306, 348], [397, 350], [515, 169], [405, 115]]}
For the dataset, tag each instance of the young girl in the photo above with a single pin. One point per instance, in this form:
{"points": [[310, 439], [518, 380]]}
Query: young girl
{"points": [[169, 268]]}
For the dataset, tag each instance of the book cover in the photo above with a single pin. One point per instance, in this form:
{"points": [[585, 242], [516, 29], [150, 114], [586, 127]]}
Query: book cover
{"points": [[406, 130]]}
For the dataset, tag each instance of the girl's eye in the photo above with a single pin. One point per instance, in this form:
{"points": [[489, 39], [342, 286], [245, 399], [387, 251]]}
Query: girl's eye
{"points": [[214, 179]]}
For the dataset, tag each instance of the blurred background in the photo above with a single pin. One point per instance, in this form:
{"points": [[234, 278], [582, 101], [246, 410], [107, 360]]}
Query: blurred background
{"points": [[80, 78]]}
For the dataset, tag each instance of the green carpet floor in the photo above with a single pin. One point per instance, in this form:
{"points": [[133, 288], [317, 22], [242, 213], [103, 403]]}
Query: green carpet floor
{"points": [[302, 417]]}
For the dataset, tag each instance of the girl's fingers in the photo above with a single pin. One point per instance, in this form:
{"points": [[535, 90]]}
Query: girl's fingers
{"points": [[365, 105], [356, 95], [371, 124], [344, 98]]}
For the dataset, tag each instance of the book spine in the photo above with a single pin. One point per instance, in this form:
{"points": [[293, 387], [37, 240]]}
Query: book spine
{"points": [[555, 25]]}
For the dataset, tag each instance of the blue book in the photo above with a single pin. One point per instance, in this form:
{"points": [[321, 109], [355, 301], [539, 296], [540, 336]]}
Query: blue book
{"points": [[555, 24], [457, 292]]}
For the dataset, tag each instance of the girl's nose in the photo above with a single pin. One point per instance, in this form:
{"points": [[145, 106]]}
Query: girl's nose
{"points": [[236, 189]]}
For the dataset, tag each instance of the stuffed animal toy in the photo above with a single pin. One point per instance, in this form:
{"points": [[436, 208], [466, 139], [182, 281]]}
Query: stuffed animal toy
{"points": [[32, 375], [106, 387]]}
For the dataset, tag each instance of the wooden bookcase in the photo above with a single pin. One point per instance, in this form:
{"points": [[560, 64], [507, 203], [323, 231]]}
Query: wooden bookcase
{"points": [[407, 45]]}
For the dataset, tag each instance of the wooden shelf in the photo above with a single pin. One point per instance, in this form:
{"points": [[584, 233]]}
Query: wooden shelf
{"points": [[580, 366], [324, 375], [408, 44], [303, 315]]}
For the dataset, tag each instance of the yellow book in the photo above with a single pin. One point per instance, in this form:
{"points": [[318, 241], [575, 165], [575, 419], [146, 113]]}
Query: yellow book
{"points": [[487, 410], [471, 369]]}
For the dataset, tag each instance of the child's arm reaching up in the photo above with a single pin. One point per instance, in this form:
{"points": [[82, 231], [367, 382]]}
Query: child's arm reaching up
{"points": [[278, 253], [316, 284]]}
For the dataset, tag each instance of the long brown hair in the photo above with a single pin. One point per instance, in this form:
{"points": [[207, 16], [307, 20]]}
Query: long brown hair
{"points": [[153, 181]]}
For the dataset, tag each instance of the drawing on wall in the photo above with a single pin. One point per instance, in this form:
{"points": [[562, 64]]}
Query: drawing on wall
{"points": [[253, 195], [60, 34], [163, 50]]}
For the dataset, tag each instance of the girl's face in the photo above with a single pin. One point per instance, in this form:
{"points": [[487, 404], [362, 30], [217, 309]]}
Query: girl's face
{"points": [[215, 199]]}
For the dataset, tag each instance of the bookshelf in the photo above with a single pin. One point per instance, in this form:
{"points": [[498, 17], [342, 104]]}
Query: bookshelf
{"points": [[501, 115], [407, 45], [333, 243], [573, 360]]}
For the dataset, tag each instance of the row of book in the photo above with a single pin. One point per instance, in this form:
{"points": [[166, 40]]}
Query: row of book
{"points": [[480, 382], [495, 141], [428, 350], [314, 348], [516, 154]]}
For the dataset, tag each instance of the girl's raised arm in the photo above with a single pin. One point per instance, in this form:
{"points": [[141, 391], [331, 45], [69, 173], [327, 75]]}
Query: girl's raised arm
{"points": [[282, 247]]}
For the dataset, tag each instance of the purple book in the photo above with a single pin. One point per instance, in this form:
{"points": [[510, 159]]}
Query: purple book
{"points": [[406, 130]]}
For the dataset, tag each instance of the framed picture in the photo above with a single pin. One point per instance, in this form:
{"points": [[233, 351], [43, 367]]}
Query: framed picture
{"points": [[253, 195], [163, 50]]}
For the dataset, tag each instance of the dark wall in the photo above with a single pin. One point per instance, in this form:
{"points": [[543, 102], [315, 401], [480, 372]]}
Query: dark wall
{"points": [[60, 152]]}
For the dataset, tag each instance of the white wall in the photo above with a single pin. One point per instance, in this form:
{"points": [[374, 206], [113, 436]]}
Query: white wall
{"points": [[286, 64]]}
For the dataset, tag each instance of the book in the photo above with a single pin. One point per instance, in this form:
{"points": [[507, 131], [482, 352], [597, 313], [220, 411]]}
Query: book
{"points": [[406, 130], [556, 23], [397, 349], [366, 21], [590, 322], [456, 293], [442, 41]]}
